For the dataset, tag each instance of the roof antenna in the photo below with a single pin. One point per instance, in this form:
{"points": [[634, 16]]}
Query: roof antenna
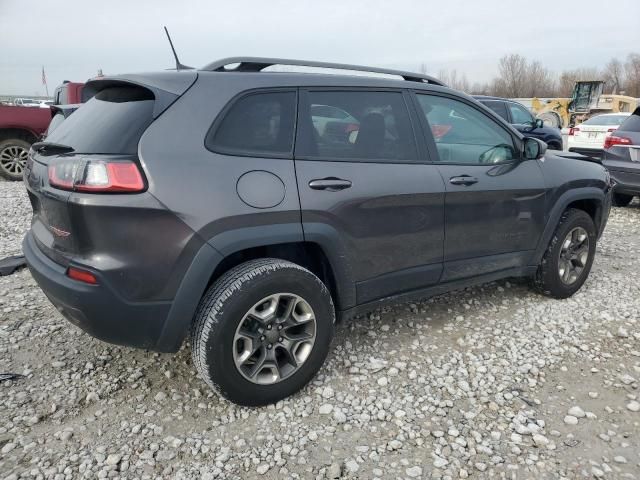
{"points": [[179, 66]]}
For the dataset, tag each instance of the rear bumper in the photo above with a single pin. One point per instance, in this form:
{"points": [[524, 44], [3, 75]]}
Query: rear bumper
{"points": [[627, 183], [96, 309]]}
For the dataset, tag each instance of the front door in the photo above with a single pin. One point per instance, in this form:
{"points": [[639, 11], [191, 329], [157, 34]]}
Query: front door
{"points": [[494, 203], [366, 192]]}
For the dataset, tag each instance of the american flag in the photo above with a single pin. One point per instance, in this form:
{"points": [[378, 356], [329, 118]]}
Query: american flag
{"points": [[44, 77]]}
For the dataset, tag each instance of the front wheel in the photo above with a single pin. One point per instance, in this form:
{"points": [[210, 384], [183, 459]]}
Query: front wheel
{"points": [[262, 331], [566, 264]]}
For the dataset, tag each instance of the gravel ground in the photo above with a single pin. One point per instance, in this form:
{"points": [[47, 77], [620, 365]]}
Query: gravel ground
{"points": [[489, 382]]}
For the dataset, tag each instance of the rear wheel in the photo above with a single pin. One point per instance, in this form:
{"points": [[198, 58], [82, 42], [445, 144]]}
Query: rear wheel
{"points": [[566, 264], [621, 200], [262, 331], [13, 158], [550, 119]]}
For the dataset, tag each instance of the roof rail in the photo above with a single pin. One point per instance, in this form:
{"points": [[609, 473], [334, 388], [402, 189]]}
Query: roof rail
{"points": [[257, 64]]}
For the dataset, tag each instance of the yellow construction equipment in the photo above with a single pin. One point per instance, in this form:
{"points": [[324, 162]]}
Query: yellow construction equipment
{"points": [[586, 101]]}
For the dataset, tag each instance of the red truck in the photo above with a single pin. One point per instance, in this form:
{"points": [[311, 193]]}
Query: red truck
{"points": [[19, 128], [68, 93]]}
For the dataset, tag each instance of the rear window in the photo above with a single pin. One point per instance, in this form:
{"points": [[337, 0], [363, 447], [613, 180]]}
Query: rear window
{"points": [[112, 122], [497, 107], [606, 120], [632, 123], [257, 124]]}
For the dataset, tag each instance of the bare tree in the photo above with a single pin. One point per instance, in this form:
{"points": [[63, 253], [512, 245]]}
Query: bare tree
{"points": [[539, 81], [613, 75], [512, 71], [453, 80], [632, 75], [570, 77]]}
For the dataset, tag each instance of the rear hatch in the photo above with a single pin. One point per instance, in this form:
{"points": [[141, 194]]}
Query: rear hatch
{"points": [[89, 158], [624, 144]]}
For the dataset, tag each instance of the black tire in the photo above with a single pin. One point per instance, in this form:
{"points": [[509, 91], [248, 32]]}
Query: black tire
{"points": [[221, 311], [554, 146], [621, 200], [9, 169], [547, 279], [550, 119]]}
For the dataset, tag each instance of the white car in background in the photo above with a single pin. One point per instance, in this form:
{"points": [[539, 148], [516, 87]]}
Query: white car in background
{"points": [[588, 137]]}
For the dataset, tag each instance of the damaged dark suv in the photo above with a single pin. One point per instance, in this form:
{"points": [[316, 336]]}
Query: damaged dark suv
{"points": [[248, 209]]}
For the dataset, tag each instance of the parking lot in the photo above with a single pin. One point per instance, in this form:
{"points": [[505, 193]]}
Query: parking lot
{"points": [[489, 382]]}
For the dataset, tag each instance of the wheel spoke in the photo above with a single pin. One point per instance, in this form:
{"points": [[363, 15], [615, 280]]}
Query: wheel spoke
{"points": [[581, 255], [288, 310]]}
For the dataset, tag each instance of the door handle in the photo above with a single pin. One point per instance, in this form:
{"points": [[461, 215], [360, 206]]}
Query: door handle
{"points": [[331, 184], [465, 180]]}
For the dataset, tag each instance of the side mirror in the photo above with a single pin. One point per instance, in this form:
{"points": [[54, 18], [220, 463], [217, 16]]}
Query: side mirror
{"points": [[534, 148], [538, 123]]}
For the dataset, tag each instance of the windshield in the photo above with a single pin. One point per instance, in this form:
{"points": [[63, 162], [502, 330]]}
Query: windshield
{"points": [[111, 122], [606, 120]]}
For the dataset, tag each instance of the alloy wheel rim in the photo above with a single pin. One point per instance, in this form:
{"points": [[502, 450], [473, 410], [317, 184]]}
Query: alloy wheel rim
{"points": [[274, 338], [13, 159], [574, 255]]}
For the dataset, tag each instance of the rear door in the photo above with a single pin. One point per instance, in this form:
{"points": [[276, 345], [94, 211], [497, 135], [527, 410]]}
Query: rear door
{"points": [[494, 203], [366, 190]]}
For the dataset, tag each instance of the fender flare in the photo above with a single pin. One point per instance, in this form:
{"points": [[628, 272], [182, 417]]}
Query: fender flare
{"points": [[584, 193], [196, 279]]}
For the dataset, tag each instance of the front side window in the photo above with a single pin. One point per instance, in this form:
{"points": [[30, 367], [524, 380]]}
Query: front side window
{"points": [[463, 134], [355, 125], [519, 114], [259, 123]]}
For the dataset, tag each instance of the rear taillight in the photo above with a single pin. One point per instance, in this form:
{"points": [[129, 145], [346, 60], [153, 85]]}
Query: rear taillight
{"points": [[86, 175], [573, 130], [613, 140], [81, 275]]}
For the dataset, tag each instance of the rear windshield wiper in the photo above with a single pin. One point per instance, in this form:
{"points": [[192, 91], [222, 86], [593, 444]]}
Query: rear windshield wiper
{"points": [[48, 148]]}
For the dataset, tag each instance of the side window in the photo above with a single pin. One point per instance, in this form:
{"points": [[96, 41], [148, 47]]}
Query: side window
{"points": [[519, 114], [355, 126], [259, 123], [463, 134], [498, 107]]}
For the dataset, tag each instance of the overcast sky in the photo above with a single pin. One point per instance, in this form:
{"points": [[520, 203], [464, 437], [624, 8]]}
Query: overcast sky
{"points": [[74, 38]]}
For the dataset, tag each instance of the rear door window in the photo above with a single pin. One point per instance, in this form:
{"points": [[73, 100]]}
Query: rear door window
{"points": [[355, 126], [112, 122], [259, 124], [499, 108]]}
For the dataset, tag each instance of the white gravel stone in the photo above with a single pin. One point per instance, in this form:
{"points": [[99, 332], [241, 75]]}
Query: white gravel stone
{"points": [[634, 406], [576, 412], [570, 420], [414, 472]]}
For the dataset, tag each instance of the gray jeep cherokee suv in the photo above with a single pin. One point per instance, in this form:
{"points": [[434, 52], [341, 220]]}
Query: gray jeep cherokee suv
{"points": [[207, 204]]}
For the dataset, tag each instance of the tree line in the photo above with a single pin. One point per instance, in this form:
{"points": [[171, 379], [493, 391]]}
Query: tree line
{"points": [[519, 77]]}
